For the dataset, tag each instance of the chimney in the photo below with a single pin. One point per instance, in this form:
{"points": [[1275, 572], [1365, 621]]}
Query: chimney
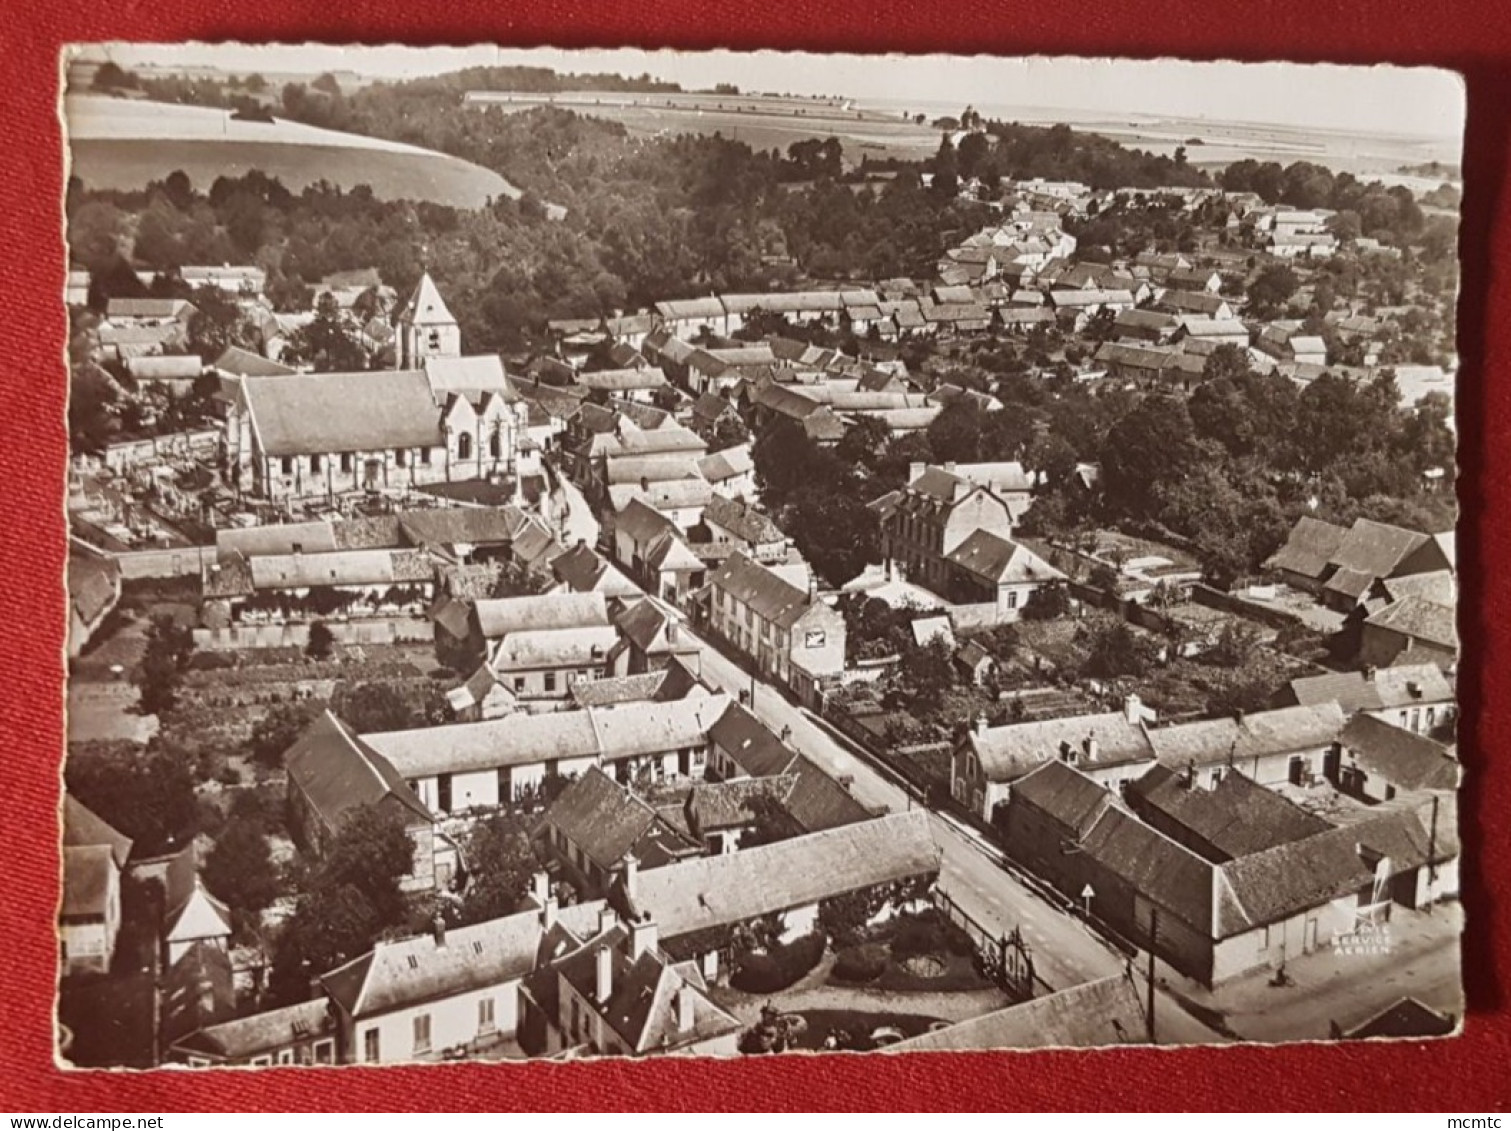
{"points": [[1067, 753], [1133, 709], [605, 982], [1238, 715], [686, 1015], [548, 909], [1189, 777], [438, 925], [950, 467], [981, 723], [642, 937], [671, 632], [631, 875], [606, 919], [1090, 746], [582, 543], [1369, 673], [915, 470], [540, 887], [645, 484]]}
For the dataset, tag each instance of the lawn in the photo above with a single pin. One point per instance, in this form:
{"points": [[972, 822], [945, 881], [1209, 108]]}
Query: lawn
{"points": [[911, 953]]}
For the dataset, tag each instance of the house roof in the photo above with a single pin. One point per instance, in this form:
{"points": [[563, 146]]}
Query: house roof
{"points": [[1422, 620], [82, 828], [1376, 548], [768, 594], [310, 413], [93, 581], [471, 526], [147, 307], [515, 740], [1373, 691], [261, 1033], [636, 378], [502, 616], [537, 649], [1439, 587], [717, 467], [753, 746], [647, 469], [1279, 882], [1311, 545], [1236, 816], [1105, 1012], [1001, 561], [1009, 752], [341, 567], [1166, 873], [1060, 792], [608, 822], [742, 520], [662, 440], [670, 494], [714, 891], [619, 689], [1406, 760], [406, 972], [338, 772], [1407, 1017], [1209, 742]]}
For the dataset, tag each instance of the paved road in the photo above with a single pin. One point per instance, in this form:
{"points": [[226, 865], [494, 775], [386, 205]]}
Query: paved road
{"points": [[1065, 953]]}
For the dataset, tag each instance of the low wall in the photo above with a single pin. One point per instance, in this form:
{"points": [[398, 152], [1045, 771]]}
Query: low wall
{"points": [[152, 449], [184, 561], [376, 630]]}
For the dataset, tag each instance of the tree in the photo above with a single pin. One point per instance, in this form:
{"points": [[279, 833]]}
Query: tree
{"points": [[147, 794], [239, 870], [277, 730], [929, 670], [326, 344], [1271, 289], [111, 76], [161, 671], [329, 928], [771, 822], [321, 642], [326, 83], [500, 863], [946, 182], [1047, 602], [371, 707], [1149, 448], [218, 323], [1116, 651], [373, 854], [1236, 643]]}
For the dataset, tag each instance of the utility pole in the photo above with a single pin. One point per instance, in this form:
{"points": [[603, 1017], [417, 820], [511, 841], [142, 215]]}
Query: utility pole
{"points": [[1432, 851], [1153, 935]]}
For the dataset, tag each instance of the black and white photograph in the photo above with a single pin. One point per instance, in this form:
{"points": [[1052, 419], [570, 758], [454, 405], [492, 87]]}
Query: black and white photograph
{"points": [[631, 553]]}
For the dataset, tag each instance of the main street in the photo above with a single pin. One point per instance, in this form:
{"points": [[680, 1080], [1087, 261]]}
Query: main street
{"points": [[1065, 952]]}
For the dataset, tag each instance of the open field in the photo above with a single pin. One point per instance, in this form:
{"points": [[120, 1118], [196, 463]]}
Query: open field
{"points": [[887, 131], [122, 144]]}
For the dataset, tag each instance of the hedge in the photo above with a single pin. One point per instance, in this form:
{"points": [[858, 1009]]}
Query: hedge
{"points": [[863, 963], [779, 967]]}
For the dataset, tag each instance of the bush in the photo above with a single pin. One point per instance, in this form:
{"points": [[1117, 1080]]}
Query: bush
{"points": [[926, 933], [779, 967], [863, 963]]}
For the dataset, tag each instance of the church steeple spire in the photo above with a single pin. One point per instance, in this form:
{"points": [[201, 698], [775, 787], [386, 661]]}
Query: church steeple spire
{"points": [[426, 327]]}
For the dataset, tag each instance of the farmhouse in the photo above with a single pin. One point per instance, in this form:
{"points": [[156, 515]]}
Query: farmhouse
{"points": [[1415, 697], [94, 857]]}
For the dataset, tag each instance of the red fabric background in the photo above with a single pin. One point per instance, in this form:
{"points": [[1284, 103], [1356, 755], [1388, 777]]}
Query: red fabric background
{"points": [[1473, 36]]}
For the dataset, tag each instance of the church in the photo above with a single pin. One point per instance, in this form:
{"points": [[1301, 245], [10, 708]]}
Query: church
{"points": [[437, 417]]}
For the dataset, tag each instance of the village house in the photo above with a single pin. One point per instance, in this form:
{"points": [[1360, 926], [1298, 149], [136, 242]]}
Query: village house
{"points": [[653, 551], [454, 990], [467, 633], [922, 523], [1288, 744], [1417, 697], [94, 589], [303, 1033], [789, 633], [1409, 631], [996, 575], [1374, 761], [196, 991], [741, 524], [730, 471], [650, 637], [332, 773], [1110, 748], [599, 832], [614, 991], [1145, 325], [94, 858], [482, 765], [1204, 303], [788, 879], [1241, 908], [143, 312], [1344, 566]]}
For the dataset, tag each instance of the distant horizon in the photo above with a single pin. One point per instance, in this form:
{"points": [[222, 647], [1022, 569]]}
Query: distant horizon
{"points": [[1414, 102]]}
